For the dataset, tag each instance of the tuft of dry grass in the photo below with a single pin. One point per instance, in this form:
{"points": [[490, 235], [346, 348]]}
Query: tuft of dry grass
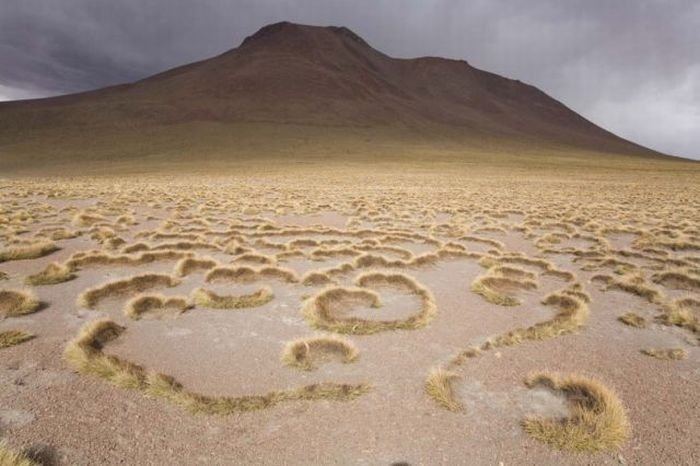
{"points": [[244, 274], [681, 314], [666, 354], [10, 457], [82, 260], [156, 305], [190, 265], [633, 320], [15, 303], [128, 286], [438, 386], [307, 353], [85, 354], [13, 337], [53, 274], [207, 298], [597, 419], [28, 251]]}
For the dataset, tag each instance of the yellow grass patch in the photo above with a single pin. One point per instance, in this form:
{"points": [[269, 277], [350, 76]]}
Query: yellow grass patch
{"points": [[308, 353], [156, 305], [597, 419], [125, 287], [27, 251], [667, 354], [439, 388], [13, 337], [54, 273], [15, 303], [207, 298]]}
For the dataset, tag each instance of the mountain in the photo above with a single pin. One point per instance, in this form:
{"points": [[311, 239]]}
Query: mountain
{"points": [[293, 91]]}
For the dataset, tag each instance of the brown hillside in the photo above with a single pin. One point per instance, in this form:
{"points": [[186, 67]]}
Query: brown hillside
{"points": [[292, 90]]}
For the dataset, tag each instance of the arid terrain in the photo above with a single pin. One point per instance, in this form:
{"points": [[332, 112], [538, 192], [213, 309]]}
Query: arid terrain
{"points": [[347, 315], [304, 251]]}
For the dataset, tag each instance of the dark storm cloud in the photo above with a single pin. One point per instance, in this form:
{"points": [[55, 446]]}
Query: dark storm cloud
{"points": [[632, 66]]}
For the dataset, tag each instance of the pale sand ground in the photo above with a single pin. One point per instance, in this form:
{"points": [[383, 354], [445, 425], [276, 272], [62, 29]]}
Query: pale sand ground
{"points": [[82, 419]]}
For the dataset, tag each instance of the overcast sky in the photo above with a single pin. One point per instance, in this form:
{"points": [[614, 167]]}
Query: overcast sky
{"points": [[631, 66]]}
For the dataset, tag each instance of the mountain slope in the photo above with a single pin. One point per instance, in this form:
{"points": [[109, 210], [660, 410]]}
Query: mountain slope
{"points": [[290, 90]]}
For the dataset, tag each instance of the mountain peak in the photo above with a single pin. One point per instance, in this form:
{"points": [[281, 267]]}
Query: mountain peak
{"points": [[285, 31]]}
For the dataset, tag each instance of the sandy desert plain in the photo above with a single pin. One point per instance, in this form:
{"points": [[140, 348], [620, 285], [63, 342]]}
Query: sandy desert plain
{"points": [[352, 315]]}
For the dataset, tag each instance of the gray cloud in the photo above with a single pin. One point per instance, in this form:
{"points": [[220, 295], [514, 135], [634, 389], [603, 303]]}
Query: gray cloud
{"points": [[632, 66]]}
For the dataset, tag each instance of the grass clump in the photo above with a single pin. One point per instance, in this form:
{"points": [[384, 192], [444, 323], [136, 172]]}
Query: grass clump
{"points": [[190, 265], [9, 457], [438, 387], [666, 354], [633, 320], [156, 306], [244, 274], [28, 251], [679, 280], [207, 298], [308, 353], [597, 421], [15, 303], [13, 337], [54, 273]]}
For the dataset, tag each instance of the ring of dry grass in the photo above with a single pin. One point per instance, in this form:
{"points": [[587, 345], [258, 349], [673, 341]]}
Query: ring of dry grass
{"points": [[86, 354], [597, 419], [320, 313], [128, 286]]}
